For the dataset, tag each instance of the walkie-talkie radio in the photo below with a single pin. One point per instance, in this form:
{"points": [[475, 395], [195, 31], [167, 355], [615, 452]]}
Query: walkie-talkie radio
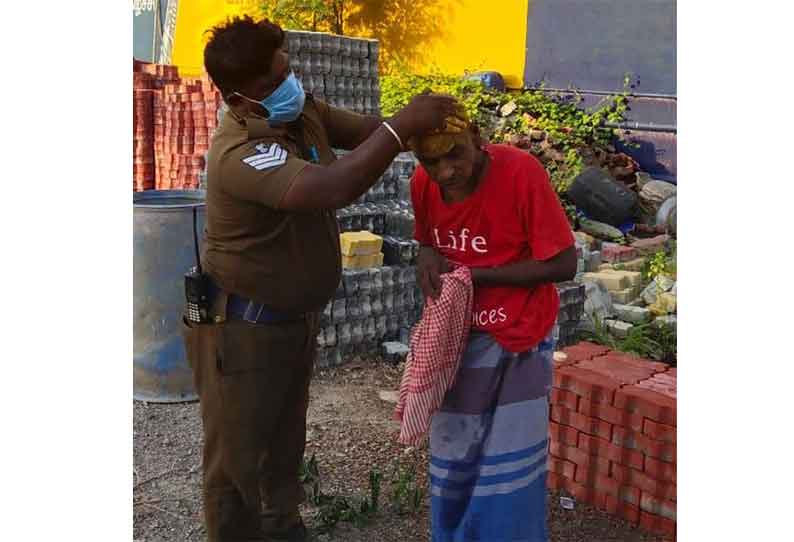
{"points": [[197, 287]]}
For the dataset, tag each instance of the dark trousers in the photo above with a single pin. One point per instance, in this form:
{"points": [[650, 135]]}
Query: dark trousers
{"points": [[253, 385]]}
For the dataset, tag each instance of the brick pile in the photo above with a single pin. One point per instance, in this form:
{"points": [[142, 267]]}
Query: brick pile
{"points": [[174, 120], [613, 435], [185, 116], [143, 169]]}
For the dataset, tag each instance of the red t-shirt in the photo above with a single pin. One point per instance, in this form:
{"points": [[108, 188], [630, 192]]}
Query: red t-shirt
{"points": [[513, 215]]}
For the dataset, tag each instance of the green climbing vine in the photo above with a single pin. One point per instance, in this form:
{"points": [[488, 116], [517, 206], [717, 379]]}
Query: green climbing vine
{"points": [[554, 125]]}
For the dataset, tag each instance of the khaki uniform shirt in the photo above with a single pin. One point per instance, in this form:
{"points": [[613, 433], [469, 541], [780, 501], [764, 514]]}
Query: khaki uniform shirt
{"points": [[288, 260]]}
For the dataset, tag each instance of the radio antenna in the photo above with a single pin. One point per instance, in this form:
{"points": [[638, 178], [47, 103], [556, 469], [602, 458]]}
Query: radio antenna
{"points": [[195, 239]]}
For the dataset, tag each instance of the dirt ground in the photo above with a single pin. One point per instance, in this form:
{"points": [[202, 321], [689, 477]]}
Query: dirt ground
{"points": [[351, 432]]}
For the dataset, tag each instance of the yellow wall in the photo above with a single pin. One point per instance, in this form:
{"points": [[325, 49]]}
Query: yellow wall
{"points": [[484, 34], [193, 18], [478, 34]]}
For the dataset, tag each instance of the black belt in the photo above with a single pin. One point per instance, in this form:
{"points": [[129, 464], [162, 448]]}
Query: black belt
{"points": [[253, 312]]}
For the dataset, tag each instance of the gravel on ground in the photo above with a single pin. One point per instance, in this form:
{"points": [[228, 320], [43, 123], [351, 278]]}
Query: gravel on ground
{"points": [[351, 433]]}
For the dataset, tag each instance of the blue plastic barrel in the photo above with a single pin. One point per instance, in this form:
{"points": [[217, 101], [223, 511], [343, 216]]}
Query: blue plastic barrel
{"points": [[163, 252], [491, 80]]}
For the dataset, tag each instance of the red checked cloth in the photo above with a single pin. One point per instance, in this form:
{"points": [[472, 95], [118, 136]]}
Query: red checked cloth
{"points": [[435, 353]]}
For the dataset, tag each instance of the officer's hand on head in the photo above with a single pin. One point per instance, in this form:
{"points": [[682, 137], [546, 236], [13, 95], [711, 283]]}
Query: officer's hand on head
{"points": [[424, 114], [429, 266]]}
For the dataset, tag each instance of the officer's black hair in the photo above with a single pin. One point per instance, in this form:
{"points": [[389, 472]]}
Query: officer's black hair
{"points": [[239, 50]]}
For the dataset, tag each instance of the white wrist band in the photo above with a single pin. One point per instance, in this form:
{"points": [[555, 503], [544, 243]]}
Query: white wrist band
{"points": [[389, 128]]}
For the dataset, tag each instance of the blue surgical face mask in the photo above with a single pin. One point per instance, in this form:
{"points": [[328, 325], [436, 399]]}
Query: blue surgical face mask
{"points": [[285, 104]]}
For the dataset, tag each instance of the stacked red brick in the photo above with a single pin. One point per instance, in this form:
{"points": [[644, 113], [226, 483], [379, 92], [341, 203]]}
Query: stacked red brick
{"points": [[148, 81], [613, 434], [173, 121], [184, 119], [143, 170]]}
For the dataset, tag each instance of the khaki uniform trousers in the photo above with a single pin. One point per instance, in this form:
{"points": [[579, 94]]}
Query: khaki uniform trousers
{"points": [[253, 386]]}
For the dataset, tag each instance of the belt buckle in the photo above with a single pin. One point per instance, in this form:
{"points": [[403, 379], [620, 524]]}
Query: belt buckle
{"points": [[249, 311]]}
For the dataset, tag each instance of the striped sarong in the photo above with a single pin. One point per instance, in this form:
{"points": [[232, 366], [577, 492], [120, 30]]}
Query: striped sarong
{"points": [[488, 446]]}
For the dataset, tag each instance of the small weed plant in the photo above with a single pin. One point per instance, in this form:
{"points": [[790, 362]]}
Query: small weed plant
{"points": [[406, 497], [652, 340]]}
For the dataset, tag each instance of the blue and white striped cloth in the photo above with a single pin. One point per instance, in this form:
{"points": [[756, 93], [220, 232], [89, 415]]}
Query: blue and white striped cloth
{"points": [[488, 446]]}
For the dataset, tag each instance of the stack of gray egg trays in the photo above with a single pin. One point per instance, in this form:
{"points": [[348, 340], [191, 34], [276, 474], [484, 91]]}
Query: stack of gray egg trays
{"points": [[340, 70], [572, 298], [371, 306], [380, 304], [385, 210]]}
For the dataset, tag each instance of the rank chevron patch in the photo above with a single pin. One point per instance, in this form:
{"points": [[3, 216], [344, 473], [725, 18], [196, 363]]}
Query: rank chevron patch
{"points": [[268, 156]]}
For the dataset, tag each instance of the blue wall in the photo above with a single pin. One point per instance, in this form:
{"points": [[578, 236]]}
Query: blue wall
{"points": [[144, 45], [593, 43]]}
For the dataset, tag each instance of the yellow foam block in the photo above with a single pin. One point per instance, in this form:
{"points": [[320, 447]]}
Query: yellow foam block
{"points": [[360, 243], [362, 262]]}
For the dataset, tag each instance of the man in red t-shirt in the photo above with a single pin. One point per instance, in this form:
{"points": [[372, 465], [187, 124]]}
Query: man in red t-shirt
{"points": [[492, 209]]}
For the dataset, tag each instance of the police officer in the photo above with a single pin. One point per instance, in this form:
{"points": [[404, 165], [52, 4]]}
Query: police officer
{"points": [[273, 257]]}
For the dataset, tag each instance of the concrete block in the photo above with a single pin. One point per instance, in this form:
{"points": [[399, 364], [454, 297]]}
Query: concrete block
{"points": [[657, 286], [665, 304], [598, 302], [651, 245], [650, 292], [585, 325], [631, 265], [617, 253], [570, 293], [632, 315], [623, 297], [595, 261], [584, 239], [633, 278], [665, 320], [665, 283], [618, 328], [612, 281], [391, 348]]}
